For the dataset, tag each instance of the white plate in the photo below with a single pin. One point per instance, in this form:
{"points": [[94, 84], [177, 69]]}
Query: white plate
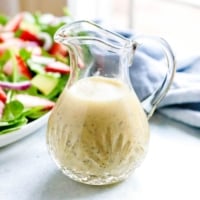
{"points": [[11, 137]]}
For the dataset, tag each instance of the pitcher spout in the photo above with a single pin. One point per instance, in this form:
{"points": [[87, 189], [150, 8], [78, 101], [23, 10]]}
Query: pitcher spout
{"points": [[86, 31], [100, 51]]}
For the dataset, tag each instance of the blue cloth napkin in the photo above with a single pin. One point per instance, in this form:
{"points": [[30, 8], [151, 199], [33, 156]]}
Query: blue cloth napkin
{"points": [[182, 102]]}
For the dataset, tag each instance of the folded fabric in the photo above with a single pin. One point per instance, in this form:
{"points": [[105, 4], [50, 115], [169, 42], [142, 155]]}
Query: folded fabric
{"points": [[182, 102]]}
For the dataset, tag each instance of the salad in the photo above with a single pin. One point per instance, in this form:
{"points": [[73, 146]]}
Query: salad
{"points": [[33, 68]]}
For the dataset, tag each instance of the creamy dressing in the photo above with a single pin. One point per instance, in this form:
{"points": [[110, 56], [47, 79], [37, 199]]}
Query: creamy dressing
{"points": [[98, 132]]}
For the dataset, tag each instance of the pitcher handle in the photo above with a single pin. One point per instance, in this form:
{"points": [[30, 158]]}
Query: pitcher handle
{"points": [[151, 102]]}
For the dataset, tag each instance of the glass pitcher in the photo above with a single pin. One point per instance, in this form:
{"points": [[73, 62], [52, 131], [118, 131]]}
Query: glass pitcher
{"points": [[98, 131]]}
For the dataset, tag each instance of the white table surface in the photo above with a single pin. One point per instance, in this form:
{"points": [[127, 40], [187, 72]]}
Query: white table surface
{"points": [[170, 171]]}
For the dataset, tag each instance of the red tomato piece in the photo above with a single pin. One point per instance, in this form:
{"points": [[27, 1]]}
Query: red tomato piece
{"points": [[23, 68], [58, 67], [28, 36], [3, 96], [58, 49]]}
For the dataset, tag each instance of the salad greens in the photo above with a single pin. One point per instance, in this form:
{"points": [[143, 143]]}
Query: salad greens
{"points": [[33, 68]]}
